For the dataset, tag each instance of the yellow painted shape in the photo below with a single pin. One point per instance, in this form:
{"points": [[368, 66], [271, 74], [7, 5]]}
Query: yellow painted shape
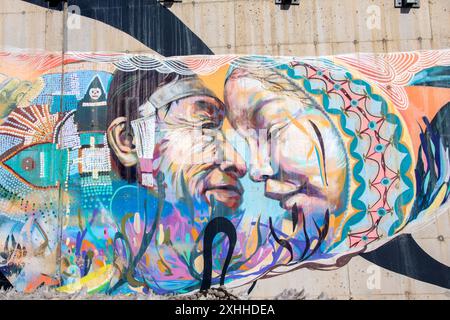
{"points": [[92, 281], [252, 240], [436, 203], [216, 81]]}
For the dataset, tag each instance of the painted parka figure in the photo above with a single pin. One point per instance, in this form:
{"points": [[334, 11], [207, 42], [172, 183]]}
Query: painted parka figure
{"points": [[193, 172]]}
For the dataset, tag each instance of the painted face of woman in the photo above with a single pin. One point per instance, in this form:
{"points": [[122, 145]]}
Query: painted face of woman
{"points": [[294, 148]]}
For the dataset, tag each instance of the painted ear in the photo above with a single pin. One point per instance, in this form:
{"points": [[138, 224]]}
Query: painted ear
{"points": [[121, 142]]}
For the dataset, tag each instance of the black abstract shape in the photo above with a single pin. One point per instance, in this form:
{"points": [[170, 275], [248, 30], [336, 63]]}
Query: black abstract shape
{"points": [[215, 226], [284, 243], [294, 217], [404, 256], [322, 233], [4, 282], [305, 232], [251, 287], [13, 242], [145, 20]]}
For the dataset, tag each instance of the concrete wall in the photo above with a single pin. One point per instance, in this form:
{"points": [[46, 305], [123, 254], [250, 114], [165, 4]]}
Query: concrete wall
{"points": [[316, 27]]}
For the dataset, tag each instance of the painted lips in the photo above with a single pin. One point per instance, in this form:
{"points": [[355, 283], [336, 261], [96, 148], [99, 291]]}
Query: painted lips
{"points": [[225, 189]]}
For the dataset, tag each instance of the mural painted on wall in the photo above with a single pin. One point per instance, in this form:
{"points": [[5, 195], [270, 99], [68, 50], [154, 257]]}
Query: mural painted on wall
{"points": [[140, 174]]}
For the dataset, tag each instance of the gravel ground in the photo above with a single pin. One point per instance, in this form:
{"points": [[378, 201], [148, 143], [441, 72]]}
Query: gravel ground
{"points": [[219, 293]]}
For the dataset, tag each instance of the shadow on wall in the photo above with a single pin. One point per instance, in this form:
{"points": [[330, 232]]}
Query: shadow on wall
{"points": [[145, 20]]}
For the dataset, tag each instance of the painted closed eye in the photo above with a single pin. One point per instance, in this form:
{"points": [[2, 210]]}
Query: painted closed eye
{"points": [[210, 125], [275, 129], [211, 115], [198, 120]]}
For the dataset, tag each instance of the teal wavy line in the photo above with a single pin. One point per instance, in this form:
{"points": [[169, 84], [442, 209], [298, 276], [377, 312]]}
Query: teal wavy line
{"points": [[406, 163], [291, 73]]}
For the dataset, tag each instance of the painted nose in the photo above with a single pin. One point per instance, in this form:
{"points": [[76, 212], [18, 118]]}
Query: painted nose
{"points": [[260, 167], [233, 162], [260, 173], [237, 166]]}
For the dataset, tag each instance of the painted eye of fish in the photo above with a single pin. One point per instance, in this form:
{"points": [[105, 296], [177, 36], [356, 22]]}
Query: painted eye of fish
{"points": [[28, 164]]}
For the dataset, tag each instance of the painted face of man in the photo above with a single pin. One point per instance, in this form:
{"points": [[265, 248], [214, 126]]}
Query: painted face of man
{"points": [[294, 148], [190, 149]]}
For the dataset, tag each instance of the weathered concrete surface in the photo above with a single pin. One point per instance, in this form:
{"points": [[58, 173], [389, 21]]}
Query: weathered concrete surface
{"points": [[316, 27], [29, 27]]}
